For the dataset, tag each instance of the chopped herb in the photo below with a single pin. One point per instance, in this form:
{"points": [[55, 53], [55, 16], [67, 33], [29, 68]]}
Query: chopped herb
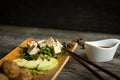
{"points": [[46, 51], [43, 52], [24, 54]]}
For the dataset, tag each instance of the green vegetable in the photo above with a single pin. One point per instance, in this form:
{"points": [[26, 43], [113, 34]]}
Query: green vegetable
{"points": [[32, 64], [46, 51], [38, 64], [43, 52], [47, 64], [24, 54]]}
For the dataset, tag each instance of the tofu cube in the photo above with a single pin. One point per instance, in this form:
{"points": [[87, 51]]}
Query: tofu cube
{"points": [[57, 49], [42, 43], [50, 42]]}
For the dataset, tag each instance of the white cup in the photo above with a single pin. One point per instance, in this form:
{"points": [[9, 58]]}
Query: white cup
{"points": [[102, 50]]}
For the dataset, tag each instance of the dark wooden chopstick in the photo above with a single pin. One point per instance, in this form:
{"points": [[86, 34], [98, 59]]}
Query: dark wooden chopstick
{"points": [[83, 60], [99, 76]]}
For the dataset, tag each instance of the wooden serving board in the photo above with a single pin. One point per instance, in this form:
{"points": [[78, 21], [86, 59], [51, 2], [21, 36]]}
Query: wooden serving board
{"points": [[50, 74]]}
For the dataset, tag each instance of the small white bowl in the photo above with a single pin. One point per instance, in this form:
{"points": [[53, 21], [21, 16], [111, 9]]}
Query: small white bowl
{"points": [[102, 50]]}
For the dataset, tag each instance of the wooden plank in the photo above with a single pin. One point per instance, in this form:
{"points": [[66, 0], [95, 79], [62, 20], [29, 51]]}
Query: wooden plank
{"points": [[49, 74]]}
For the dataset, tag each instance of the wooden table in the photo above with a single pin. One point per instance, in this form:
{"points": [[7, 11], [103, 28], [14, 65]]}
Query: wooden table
{"points": [[11, 37]]}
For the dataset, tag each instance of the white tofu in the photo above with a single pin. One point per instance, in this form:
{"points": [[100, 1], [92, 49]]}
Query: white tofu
{"points": [[54, 44], [57, 49], [20, 62], [32, 43], [33, 47], [58, 43], [42, 43], [33, 50], [50, 42]]}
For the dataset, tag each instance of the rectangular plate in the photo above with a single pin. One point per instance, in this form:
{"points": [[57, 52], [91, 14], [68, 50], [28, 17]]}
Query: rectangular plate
{"points": [[50, 74]]}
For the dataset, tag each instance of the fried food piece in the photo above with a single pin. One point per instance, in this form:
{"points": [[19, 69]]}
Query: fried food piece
{"points": [[24, 75], [10, 69], [3, 77]]}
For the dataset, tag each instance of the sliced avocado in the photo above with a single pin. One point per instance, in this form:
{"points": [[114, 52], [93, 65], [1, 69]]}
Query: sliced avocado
{"points": [[20, 62], [32, 64], [48, 67], [39, 64], [49, 64]]}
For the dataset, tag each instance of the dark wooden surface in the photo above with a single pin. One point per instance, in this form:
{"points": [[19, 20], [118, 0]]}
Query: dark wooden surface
{"points": [[11, 37], [81, 15]]}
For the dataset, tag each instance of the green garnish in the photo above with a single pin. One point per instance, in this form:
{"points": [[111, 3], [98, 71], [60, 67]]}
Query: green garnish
{"points": [[46, 51], [24, 54], [43, 52]]}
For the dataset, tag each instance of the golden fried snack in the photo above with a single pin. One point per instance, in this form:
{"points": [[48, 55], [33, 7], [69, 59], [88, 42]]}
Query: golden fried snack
{"points": [[24, 75], [10, 69], [3, 77]]}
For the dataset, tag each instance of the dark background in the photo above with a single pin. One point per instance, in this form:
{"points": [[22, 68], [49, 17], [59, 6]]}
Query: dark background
{"points": [[81, 15]]}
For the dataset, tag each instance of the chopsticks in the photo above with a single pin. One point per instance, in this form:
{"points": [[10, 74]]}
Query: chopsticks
{"points": [[84, 62]]}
